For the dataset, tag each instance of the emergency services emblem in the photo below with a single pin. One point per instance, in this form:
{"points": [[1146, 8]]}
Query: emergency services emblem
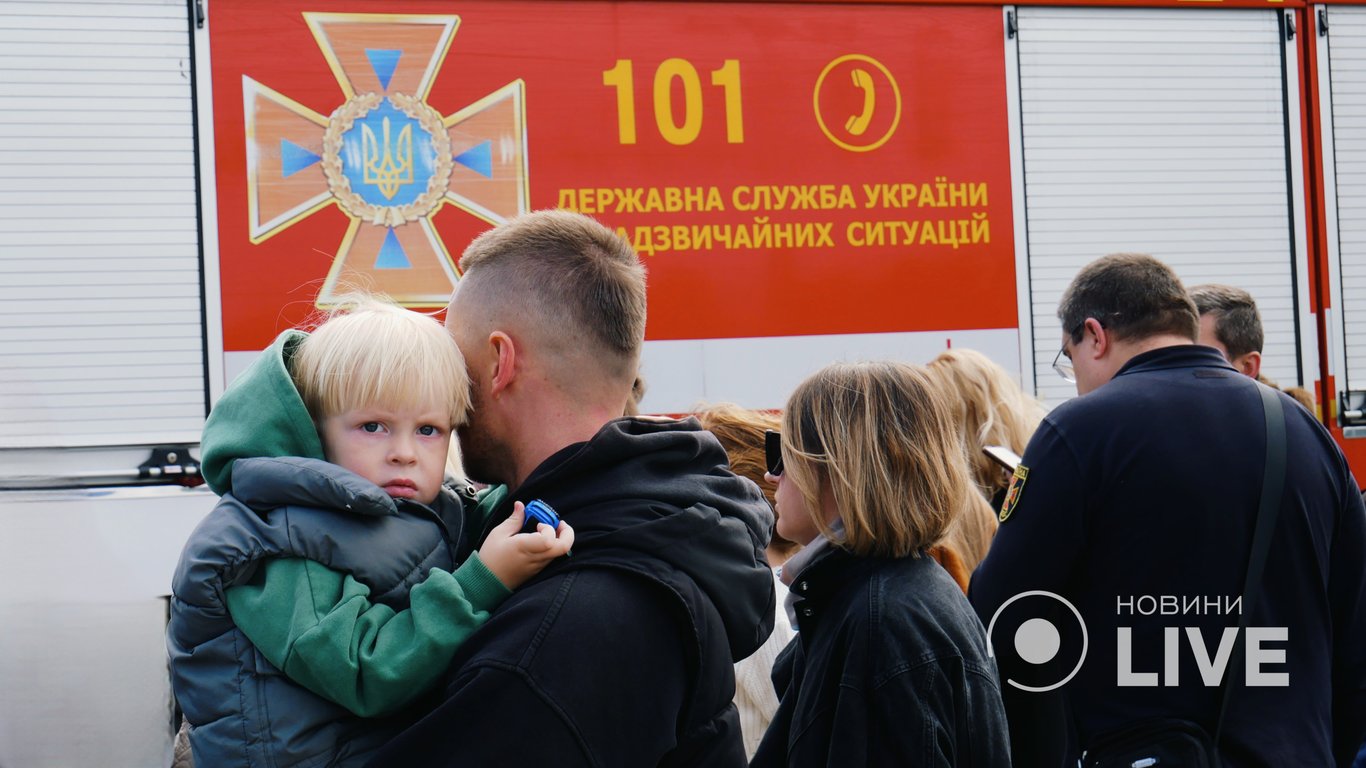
{"points": [[1017, 482], [385, 157]]}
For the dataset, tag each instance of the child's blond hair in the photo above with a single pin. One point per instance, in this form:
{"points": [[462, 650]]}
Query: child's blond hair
{"points": [[371, 351]]}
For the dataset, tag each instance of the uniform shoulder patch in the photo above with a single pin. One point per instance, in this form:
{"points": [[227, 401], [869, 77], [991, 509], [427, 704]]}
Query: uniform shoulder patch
{"points": [[1017, 482]]}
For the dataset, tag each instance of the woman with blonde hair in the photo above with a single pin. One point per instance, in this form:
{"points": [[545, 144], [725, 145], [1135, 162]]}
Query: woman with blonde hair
{"points": [[890, 665], [990, 409]]}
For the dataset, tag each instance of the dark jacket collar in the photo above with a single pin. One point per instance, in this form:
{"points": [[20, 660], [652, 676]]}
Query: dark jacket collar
{"points": [[1178, 356], [656, 495], [818, 583]]}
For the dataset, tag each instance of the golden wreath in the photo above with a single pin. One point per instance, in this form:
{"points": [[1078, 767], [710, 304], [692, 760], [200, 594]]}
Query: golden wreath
{"points": [[342, 120]]}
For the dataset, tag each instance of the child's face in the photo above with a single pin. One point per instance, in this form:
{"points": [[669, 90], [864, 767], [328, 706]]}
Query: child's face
{"points": [[401, 450]]}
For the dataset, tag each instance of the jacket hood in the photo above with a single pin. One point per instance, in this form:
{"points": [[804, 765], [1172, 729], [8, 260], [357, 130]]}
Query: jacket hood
{"points": [[291, 480], [261, 415], [646, 493]]}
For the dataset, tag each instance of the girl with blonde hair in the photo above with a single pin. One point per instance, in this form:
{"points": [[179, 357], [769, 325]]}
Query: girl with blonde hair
{"points": [[989, 409], [890, 664]]}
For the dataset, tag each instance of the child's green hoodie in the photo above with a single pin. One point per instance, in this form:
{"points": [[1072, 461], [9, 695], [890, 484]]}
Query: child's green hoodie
{"points": [[353, 595]]}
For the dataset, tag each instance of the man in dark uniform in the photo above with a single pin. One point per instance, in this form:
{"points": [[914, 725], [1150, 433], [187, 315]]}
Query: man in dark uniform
{"points": [[1135, 504]]}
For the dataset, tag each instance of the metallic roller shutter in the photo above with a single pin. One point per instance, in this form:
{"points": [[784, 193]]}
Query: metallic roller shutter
{"points": [[101, 325], [1160, 131], [1346, 45]]}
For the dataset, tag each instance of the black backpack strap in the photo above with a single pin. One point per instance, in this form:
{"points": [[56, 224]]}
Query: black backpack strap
{"points": [[1273, 485]]}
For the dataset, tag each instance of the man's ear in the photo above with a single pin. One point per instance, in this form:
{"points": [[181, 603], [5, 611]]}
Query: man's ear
{"points": [[1249, 364], [1100, 341], [504, 362]]}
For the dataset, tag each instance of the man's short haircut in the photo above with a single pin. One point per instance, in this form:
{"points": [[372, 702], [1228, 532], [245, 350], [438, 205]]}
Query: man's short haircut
{"points": [[883, 436], [372, 352], [568, 273], [1237, 323], [1133, 295]]}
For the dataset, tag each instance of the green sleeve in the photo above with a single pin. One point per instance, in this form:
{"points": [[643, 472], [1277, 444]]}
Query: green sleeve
{"points": [[320, 628], [478, 515]]}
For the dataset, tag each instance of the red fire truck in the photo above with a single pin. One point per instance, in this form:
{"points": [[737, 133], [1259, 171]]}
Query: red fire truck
{"points": [[806, 181]]}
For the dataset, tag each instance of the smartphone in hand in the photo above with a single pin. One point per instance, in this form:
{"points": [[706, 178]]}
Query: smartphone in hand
{"points": [[1003, 456]]}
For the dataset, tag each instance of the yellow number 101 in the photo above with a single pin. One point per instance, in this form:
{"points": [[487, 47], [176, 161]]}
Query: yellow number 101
{"points": [[622, 78]]}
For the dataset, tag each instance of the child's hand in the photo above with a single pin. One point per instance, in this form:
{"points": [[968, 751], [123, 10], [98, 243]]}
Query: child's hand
{"points": [[515, 557]]}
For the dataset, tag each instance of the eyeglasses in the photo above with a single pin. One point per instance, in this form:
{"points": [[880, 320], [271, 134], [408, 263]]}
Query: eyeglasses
{"points": [[1063, 365], [773, 452]]}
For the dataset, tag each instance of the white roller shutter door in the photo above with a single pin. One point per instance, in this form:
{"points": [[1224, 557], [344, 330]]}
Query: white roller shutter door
{"points": [[1343, 62], [101, 318], [1159, 131]]}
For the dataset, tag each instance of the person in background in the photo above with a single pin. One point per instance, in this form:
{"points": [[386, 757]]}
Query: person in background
{"points": [[1148, 487], [322, 587], [890, 666], [741, 432], [990, 409], [1230, 322], [1298, 394]]}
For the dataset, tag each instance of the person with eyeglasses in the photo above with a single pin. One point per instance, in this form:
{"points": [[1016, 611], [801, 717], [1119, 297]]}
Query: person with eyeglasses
{"points": [[890, 667], [1135, 504]]}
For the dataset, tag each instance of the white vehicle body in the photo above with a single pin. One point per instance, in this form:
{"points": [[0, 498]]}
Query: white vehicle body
{"points": [[1186, 132]]}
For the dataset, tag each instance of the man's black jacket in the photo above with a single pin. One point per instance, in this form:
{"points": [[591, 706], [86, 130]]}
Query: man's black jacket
{"points": [[621, 654]]}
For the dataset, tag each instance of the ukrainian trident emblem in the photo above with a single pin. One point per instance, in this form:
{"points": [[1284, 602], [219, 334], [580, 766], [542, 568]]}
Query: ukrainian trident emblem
{"points": [[385, 157], [395, 168]]}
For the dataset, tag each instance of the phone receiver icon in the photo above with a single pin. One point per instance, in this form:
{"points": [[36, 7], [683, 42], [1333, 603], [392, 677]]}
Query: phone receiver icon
{"points": [[857, 124]]}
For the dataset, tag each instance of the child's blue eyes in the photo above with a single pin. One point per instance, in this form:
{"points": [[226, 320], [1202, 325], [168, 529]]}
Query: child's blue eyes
{"points": [[426, 430]]}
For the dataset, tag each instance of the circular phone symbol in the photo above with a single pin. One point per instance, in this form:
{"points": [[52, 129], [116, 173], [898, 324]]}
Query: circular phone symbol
{"points": [[857, 102]]}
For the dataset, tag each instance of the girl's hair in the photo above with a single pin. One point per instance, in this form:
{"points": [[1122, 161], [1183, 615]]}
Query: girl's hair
{"points": [[882, 435], [989, 407], [741, 432], [370, 351]]}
